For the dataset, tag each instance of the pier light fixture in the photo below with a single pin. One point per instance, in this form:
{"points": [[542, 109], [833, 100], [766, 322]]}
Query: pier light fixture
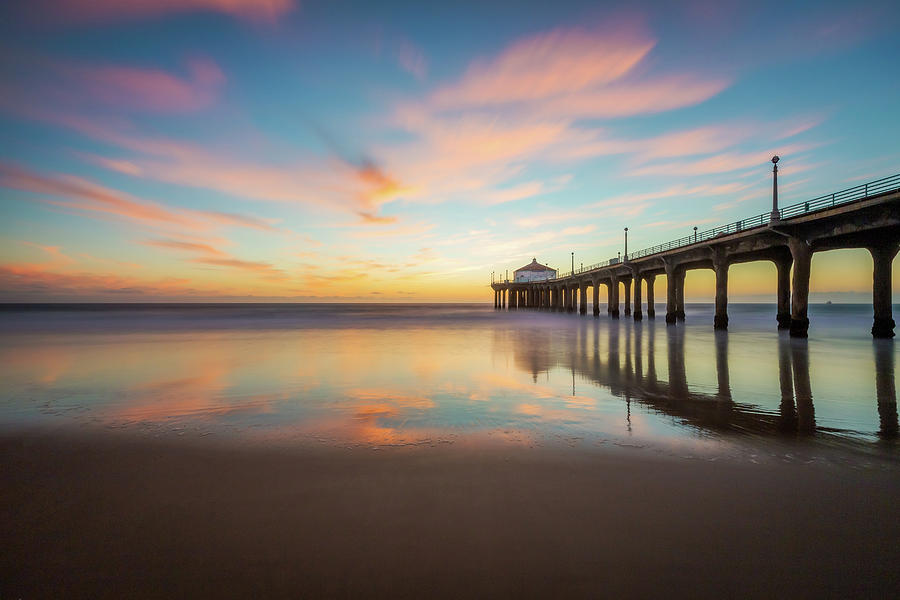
{"points": [[775, 214], [695, 234], [626, 244], [573, 263]]}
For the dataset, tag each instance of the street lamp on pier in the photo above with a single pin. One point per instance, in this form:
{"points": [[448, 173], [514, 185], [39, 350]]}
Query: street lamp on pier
{"points": [[775, 214], [695, 234], [573, 263], [626, 244]]}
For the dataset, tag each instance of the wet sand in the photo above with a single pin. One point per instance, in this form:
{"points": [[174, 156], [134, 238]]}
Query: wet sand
{"points": [[114, 516]]}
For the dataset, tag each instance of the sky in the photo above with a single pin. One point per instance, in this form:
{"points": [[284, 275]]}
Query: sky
{"points": [[279, 150]]}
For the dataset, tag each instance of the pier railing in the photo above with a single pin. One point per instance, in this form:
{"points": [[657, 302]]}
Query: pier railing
{"points": [[853, 194]]}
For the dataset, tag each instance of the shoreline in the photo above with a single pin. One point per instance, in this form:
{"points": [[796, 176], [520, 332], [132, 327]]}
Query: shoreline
{"points": [[113, 515]]}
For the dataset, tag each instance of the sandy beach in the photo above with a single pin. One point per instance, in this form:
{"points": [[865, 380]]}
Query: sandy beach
{"points": [[114, 516]]}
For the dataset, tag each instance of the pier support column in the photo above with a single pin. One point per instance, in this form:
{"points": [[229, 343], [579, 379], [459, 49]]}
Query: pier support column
{"points": [[671, 294], [720, 321], [627, 284], [609, 298], [783, 266], [596, 298], [801, 252], [638, 314], [651, 307], [614, 307], [679, 293], [583, 308], [882, 257], [638, 311], [502, 298]]}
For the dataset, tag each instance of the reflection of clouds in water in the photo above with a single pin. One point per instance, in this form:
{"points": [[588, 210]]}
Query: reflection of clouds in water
{"points": [[549, 375]]}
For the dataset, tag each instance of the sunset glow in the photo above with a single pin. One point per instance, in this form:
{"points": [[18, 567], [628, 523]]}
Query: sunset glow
{"points": [[284, 151]]}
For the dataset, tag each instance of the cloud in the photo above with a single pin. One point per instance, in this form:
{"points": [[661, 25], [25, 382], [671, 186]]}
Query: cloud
{"points": [[264, 268], [87, 11], [52, 90], [372, 219], [183, 245], [719, 163], [411, 59], [558, 62], [151, 90], [55, 253], [34, 282], [82, 195], [472, 137]]}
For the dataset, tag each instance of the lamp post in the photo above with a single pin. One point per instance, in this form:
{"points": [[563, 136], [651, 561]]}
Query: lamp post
{"points": [[695, 234], [775, 215], [573, 263], [626, 244]]}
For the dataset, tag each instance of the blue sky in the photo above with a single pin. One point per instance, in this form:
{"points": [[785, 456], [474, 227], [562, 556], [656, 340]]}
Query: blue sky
{"points": [[270, 149]]}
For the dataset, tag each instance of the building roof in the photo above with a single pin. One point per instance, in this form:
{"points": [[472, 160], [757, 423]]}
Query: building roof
{"points": [[534, 266]]}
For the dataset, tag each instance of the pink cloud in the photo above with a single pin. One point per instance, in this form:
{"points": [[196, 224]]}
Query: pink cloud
{"points": [[185, 246], [121, 10], [83, 195], [263, 268], [55, 253], [152, 90], [23, 281], [636, 97], [411, 59], [719, 163], [559, 62]]}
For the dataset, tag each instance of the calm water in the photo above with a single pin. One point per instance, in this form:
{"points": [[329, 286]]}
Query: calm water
{"points": [[376, 376]]}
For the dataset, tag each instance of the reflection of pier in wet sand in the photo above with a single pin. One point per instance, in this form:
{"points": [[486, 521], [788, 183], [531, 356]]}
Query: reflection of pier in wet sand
{"points": [[626, 361]]}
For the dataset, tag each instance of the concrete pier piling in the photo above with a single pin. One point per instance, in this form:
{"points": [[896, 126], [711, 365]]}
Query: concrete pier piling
{"points": [[626, 283], [614, 305], [720, 321], [638, 314], [801, 252], [671, 294], [882, 257], [651, 307]]}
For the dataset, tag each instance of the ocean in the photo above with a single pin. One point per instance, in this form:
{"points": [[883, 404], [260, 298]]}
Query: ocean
{"points": [[385, 375]]}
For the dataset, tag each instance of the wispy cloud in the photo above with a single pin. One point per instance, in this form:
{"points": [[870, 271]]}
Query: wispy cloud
{"points": [[411, 59], [85, 196], [86, 11]]}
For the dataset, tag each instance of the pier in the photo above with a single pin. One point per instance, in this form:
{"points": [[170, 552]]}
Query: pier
{"points": [[864, 216]]}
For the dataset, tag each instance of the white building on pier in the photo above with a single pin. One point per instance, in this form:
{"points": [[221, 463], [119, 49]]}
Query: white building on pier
{"points": [[533, 272]]}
